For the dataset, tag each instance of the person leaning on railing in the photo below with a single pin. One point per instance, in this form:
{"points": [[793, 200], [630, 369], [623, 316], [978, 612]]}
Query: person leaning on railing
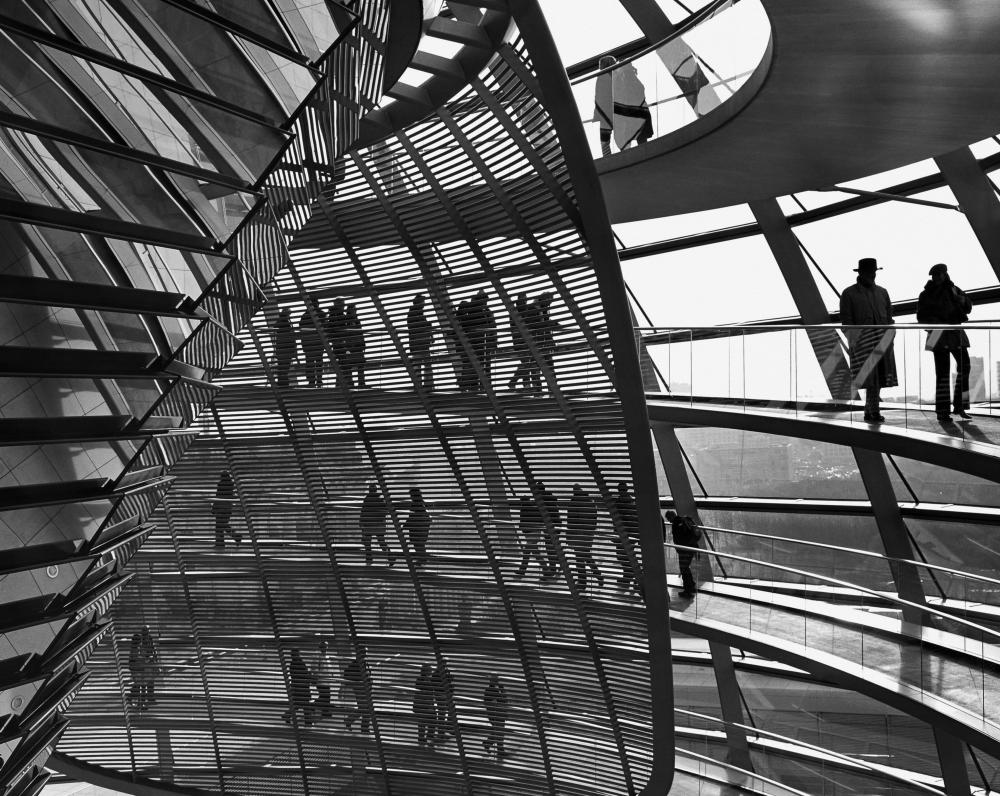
{"points": [[940, 302]]}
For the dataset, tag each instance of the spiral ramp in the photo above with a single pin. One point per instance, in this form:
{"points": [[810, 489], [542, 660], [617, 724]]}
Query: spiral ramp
{"points": [[479, 178]]}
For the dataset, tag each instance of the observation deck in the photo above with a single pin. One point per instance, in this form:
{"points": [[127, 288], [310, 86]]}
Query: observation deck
{"points": [[839, 91]]}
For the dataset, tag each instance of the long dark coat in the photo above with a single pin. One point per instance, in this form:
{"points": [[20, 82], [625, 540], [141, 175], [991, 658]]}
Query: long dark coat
{"points": [[944, 303], [873, 361]]}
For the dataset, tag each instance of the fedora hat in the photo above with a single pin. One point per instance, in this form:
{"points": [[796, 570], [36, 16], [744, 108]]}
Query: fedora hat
{"points": [[867, 265]]}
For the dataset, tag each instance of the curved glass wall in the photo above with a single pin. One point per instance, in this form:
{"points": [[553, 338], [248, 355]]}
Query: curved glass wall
{"points": [[700, 67]]}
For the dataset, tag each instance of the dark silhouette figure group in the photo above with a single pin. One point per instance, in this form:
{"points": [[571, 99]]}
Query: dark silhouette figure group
{"points": [[436, 714], [356, 683], [532, 333], [372, 520], [434, 706], [539, 519], [340, 325], [478, 325], [866, 309], [334, 340]]}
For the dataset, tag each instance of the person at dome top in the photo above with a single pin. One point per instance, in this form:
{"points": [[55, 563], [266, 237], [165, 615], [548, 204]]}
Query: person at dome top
{"points": [[604, 103], [632, 120]]}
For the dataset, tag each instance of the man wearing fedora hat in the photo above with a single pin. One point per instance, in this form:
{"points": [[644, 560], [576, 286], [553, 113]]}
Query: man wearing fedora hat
{"points": [[942, 302], [873, 363]]}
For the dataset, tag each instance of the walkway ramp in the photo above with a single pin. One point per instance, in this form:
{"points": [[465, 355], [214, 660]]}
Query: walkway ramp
{"points": [[942, 678]]}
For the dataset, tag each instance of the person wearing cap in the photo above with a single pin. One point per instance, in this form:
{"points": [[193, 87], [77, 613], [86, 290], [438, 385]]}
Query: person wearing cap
{"points": [[942, 302], [873, 363]]}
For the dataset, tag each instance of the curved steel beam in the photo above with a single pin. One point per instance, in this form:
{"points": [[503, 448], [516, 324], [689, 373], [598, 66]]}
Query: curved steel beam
{"points": [[558, 98]]}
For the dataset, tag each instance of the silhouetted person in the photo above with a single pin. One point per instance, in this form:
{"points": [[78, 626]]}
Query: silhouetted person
{"points": [[355, 337], [136, 669], [941, 301], [473, 320], [532, 527], [581, 526], [418, 526], [684, 532], [312, 345], [551, 519], [222, 508], [453, 342], [424, 708], [604, 102], [421, 335], [543, 330], [285, 345], [632, 121], [489, 338], [299, 692], [534, 319], [444, 700], [373, 513], [495, 702], [150, 667], [324, 671], [336, 334], [358, 680], [873, 363], [625, 538], [526, 363]]}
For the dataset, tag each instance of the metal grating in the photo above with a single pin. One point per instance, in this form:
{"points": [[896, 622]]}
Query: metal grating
{"points": [[573, 661]]}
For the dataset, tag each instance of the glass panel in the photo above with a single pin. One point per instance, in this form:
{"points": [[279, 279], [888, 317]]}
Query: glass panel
{"points": [[685, 78], [906, 240], [636, 233], [577, 42], [839, 720], [750, 464], [746, 267]]}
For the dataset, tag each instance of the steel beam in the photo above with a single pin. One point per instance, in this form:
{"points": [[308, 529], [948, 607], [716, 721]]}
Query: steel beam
{"points": [[808, 300], [975, 194], [951, 753], [892, 529]]}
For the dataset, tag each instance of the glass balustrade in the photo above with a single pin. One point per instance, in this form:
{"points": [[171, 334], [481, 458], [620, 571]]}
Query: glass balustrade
{"points": [[776, 752], [971, 597], [948, 661], [702, 65], [817, 371]]}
